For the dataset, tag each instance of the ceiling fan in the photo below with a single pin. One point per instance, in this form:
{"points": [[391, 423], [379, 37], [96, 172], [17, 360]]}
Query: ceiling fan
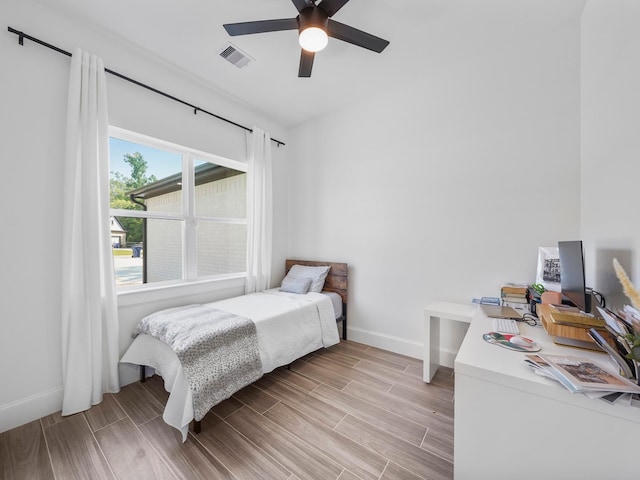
{"points": [[315, 25]]}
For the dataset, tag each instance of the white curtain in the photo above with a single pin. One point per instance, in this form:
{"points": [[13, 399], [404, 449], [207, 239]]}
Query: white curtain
{"points": [[89, 308], [259, 211]]}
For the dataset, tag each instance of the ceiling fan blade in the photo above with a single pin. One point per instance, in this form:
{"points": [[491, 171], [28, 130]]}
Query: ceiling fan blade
{"points": [[332, 6], [306, 63], [302, 4], [356, 37], [261, 26]]}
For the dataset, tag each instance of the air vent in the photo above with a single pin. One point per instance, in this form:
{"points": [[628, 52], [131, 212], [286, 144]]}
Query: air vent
{"points": [[234, 55]]}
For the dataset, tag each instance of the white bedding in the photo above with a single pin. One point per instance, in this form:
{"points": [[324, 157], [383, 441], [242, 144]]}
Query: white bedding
{"points": [[288, 325], [337, 302]]}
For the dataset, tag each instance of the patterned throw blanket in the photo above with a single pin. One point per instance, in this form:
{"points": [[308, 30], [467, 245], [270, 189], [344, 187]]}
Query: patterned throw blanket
{"points": [[218, 350]]}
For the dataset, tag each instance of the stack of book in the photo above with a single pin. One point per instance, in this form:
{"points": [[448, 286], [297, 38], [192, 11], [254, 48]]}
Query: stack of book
{"points": [[516, 296], [583, 375], [569, 326]]}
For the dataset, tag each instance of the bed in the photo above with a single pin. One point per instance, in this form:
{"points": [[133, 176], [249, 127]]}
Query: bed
{"points": [[290, 321]]}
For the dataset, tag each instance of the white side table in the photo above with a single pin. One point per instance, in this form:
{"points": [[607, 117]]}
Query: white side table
{"points": [[434, 312]]}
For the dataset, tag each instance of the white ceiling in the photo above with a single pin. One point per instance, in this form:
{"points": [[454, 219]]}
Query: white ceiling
{"points": [[189, 35]]}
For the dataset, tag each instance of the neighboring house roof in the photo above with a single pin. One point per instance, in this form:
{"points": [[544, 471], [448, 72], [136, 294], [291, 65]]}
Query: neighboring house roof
{"points": [[205, 173], [116, 226]]}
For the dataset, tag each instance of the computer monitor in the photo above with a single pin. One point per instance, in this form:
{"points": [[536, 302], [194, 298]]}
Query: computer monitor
{"points": [[572, 281]]}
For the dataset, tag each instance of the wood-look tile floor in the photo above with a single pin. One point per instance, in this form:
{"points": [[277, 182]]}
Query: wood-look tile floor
{"points": [[347, 412]]}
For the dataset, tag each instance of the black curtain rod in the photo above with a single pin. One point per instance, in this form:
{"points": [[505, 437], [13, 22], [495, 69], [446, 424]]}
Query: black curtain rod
{"points": [[22, 36]]}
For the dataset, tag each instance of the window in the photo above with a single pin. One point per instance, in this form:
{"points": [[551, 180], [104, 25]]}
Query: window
{"points": [[176, 214]]}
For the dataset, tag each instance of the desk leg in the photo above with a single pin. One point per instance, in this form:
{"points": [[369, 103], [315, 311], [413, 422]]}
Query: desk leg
{"points": [[431, 360]]}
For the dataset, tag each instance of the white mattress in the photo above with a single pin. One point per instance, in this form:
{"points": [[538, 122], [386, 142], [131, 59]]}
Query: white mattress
{"points": [[288, 325]]}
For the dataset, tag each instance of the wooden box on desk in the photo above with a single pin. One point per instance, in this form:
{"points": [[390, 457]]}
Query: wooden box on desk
{"points": [[574, 336]]}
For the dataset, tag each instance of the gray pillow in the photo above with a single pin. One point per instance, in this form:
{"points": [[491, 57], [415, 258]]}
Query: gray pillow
{"points": [[295, 284], [316, 274]]}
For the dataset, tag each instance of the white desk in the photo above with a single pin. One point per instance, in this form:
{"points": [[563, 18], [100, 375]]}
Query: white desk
{"points": [[508, 419], [434, 312]]}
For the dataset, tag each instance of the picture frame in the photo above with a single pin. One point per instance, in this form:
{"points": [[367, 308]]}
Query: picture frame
{"points": [[548, 271]]}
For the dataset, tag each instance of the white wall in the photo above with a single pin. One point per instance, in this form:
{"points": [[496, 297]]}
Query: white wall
{"points": [[33, 93], [445, 186], [610, 142]]}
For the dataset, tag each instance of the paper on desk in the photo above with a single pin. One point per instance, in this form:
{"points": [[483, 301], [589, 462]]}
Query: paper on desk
{"points": [[611, 321]]}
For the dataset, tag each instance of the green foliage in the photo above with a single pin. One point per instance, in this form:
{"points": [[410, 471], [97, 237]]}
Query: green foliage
{"points": [[538, 288], [138, 170], [121, 185], [634, 341], [119, 189], [125, 204], [133, 226]]}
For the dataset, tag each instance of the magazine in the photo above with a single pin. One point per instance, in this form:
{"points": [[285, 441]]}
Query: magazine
{"points": [[542, 368], [583, 375]]}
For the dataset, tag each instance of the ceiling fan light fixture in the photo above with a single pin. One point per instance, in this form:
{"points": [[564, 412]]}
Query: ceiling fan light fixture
{"points": [[313, 39], [314, 27]]}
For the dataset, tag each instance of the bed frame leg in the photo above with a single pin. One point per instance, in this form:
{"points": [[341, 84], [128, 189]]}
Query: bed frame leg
{"points": [[143, 373], [344, 321], [197, 427]]}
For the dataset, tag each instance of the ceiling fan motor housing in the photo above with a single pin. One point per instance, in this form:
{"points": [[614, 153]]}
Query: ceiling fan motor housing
{"points": [[312, 17]]}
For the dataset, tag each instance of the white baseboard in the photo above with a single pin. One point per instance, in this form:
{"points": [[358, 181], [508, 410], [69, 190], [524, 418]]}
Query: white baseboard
{"points": [[385, 342], [40, 405], [397, 345], [29, 409], [447, 358]]}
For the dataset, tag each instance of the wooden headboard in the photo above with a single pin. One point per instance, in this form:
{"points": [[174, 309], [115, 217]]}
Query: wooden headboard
{"points": [[336, 278]]}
